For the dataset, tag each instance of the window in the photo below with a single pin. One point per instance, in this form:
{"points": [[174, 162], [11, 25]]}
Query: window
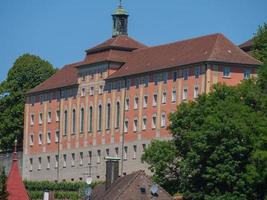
{"points": [[108, 116], [118, 86], [99, 117], [39, 163], [185, 74], [146, 81], [65, 122], [81, 158], [82, 120], [127, 104], [197, 72], [135, 125], [83, 92], [90, 157], [155, 99], [154, 121], [40, 138], [156, 79], [126, 125], [144, 147], [196, 91], [134, 151], [136, 83], [185, 95], [91, 93], [31, 140], [57, 115], [41, 99], [128, 84], [226, 71], [73, 121], [32, 99], [98, 156], [73, 159], [164, 97], [118, 115], [90, 118], [145, 101], [163, 120], [174, 95], [165, 77], [174, 76], [64, 160], [107, 152], [125, 153], [57, 137], [49, 117], [136, 101], [247, 73], [56, 159], [144, 123], [48, 162], [31, 164], [116, 152], [100, 90], [40, 118], [32, 119], [48, 137]]}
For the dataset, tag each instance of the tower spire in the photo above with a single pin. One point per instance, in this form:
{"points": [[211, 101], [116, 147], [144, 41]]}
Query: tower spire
{"points": [[120, 21]]}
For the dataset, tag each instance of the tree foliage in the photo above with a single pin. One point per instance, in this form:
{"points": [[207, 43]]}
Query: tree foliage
{"points": [[3, 188], [27, 72], [260, 43]]}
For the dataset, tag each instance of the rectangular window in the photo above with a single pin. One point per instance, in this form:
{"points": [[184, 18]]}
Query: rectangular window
{"points": [[174, 95], [57, 137], [174, 76], [226, 71], [144, 147], [165, 77], [56, 159], [64, 161], [116, 152], [57, 115], [81, 158], [163, 120], [197, 72], [196, 92], [83, 92], [73, 159], [48, 162], [39, 163], [90, 157], [127, 104], [145, 101], [135, 125], [134, 151], [164, 97], [41, 99], [247, 73], [107, 152], [136, 83], [100, 90], [146, 81], [125, 153], [48, 138], [155, 99], [31, 140], [91, 93], [32, 119], [154, 122], [126, 124], [128, 84], [40, 118], [144, 123], [136, 102], [98, 156], [185, 95], [49, 117], [40, 139], [31, 164], [185, 74]]}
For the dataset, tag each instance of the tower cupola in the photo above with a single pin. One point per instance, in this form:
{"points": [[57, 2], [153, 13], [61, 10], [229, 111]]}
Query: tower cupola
{"points": [[120, 21]]}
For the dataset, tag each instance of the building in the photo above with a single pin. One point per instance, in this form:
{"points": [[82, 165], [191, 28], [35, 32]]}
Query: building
{"points": [[116, 100], [247, 46]]}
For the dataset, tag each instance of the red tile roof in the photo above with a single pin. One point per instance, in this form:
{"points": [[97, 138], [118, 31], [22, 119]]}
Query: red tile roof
{"points": [[141, 59], [213, 48], [247, 44], [15, 186]]}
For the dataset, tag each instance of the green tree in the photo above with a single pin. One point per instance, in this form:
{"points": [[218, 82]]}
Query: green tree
{"points": [[27, 72], [260, 43], [3, 189]]}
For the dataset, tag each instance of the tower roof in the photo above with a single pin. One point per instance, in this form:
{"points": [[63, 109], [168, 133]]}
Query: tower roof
{"points": [[120, 11], [15, 186]]}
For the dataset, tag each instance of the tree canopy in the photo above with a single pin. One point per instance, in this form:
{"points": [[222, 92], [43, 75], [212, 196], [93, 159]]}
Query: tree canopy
{"points": [[3, 187], [27, 72], [260, 43]]}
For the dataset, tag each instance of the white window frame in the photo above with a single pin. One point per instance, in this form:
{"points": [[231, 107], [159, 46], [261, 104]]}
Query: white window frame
{"points": [[127, 103], [144, 123], [135, 125], [134, 151], [64, 160], [48, 162], [136, 102], [247, 74], [40, 138], [98, 156], [32, 119], [48, 137], [73, 159], [154, 121], [155, 100], [40, 118], [126, 126], [163, 120], [125, 149], [49, 117], [185, 94], [81, 158], [196, 91], [145, 101], [39, 163], [31, 139], [174, 95], [226, 72]]}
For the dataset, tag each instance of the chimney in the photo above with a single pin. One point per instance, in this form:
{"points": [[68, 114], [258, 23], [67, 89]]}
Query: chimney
{"points": [[112, 170]]}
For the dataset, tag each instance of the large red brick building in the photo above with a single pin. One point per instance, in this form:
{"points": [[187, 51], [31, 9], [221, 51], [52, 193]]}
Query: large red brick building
{"points": [[116, 100]]}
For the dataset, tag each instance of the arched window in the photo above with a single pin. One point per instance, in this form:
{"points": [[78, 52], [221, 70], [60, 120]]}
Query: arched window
{"points": [[82, 120], [73, 121], [118, 115], [90, 119], [99, 118], [65, 122], [108, 115]]}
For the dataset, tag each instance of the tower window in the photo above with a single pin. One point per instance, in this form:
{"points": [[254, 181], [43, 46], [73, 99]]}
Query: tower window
{"points": [[118, 115], [82, 120], [108, 116]]}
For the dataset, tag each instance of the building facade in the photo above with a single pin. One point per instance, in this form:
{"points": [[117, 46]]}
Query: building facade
{"points": [[116, 100]]}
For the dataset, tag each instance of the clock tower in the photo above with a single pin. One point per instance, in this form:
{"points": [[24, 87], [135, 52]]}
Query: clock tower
{"points": [[120, 21]]}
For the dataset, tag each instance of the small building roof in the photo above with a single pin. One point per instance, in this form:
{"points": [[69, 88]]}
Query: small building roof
{"points": [[134, 186], [15, 186]]}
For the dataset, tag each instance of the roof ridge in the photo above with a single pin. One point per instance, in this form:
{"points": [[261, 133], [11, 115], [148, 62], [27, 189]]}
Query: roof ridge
{"points": [[214, 47]]}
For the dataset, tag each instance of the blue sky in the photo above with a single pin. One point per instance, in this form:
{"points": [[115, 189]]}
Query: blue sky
{"points": [[60, 30]]}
